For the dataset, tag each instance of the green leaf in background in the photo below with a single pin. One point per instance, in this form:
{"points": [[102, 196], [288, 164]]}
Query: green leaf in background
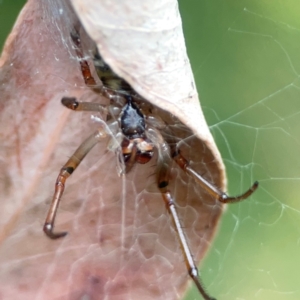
{"points": [[246, 60], [9, 10]]}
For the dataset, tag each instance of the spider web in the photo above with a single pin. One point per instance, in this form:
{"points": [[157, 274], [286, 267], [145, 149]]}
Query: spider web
{"points": [[246, 64], [245, 58]]}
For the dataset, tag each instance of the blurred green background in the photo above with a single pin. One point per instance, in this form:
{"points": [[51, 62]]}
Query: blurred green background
{"points": [[9, 10], [246, 58]]}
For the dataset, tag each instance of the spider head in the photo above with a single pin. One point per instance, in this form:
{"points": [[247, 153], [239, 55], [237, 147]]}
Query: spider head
{"points": [[136, 147]]}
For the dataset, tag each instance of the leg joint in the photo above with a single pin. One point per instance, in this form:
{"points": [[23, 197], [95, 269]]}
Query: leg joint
{"points": [[168, 199], [69, 170], [193, 272]]}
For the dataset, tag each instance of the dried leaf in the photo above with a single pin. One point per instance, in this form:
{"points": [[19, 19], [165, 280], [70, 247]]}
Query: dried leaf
{"points": [[121, 244]]}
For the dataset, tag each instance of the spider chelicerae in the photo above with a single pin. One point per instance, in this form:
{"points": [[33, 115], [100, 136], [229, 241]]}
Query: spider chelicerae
{"points": [[135, 137]]}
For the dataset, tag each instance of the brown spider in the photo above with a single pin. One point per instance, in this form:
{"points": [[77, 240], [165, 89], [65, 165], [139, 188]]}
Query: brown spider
{"points": [[137, 136]]}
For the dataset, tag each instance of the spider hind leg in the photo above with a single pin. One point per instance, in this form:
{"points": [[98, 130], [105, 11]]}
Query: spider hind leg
{"points": [[84, 66]]}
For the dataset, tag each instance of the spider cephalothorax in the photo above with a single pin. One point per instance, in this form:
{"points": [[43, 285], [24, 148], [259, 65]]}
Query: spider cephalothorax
{"points": [[136, 147], [138, 134]]}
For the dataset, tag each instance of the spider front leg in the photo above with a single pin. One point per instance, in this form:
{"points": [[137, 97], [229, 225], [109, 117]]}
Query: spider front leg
{"points": [[69, 167], [73, 104], [163, 175], [170, 204], [211, 189]]}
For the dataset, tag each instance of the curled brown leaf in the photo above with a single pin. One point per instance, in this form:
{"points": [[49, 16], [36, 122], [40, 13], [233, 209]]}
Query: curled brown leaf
{"points": [[121, 244]]}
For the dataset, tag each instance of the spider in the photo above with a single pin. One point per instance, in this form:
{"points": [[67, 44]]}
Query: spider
{"points": [[136, 137]]}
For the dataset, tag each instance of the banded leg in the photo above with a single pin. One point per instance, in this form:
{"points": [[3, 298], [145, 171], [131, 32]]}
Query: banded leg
{"points": [[164, 162], [73, 104], [69, 167], [84, 66], [86, 71], [211, 189], [190, 264]]}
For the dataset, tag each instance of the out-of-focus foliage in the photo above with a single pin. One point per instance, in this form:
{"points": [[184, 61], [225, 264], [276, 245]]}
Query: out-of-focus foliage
{"points": [[8, 13], [246, 60]]}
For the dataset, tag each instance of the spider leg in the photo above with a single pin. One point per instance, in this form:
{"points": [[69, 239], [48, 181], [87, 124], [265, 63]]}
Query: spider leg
{"points": [[89, 80], [163, 175], [75, 105], [212, 190], [68, 168], [190, 264], [85, 69]]}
